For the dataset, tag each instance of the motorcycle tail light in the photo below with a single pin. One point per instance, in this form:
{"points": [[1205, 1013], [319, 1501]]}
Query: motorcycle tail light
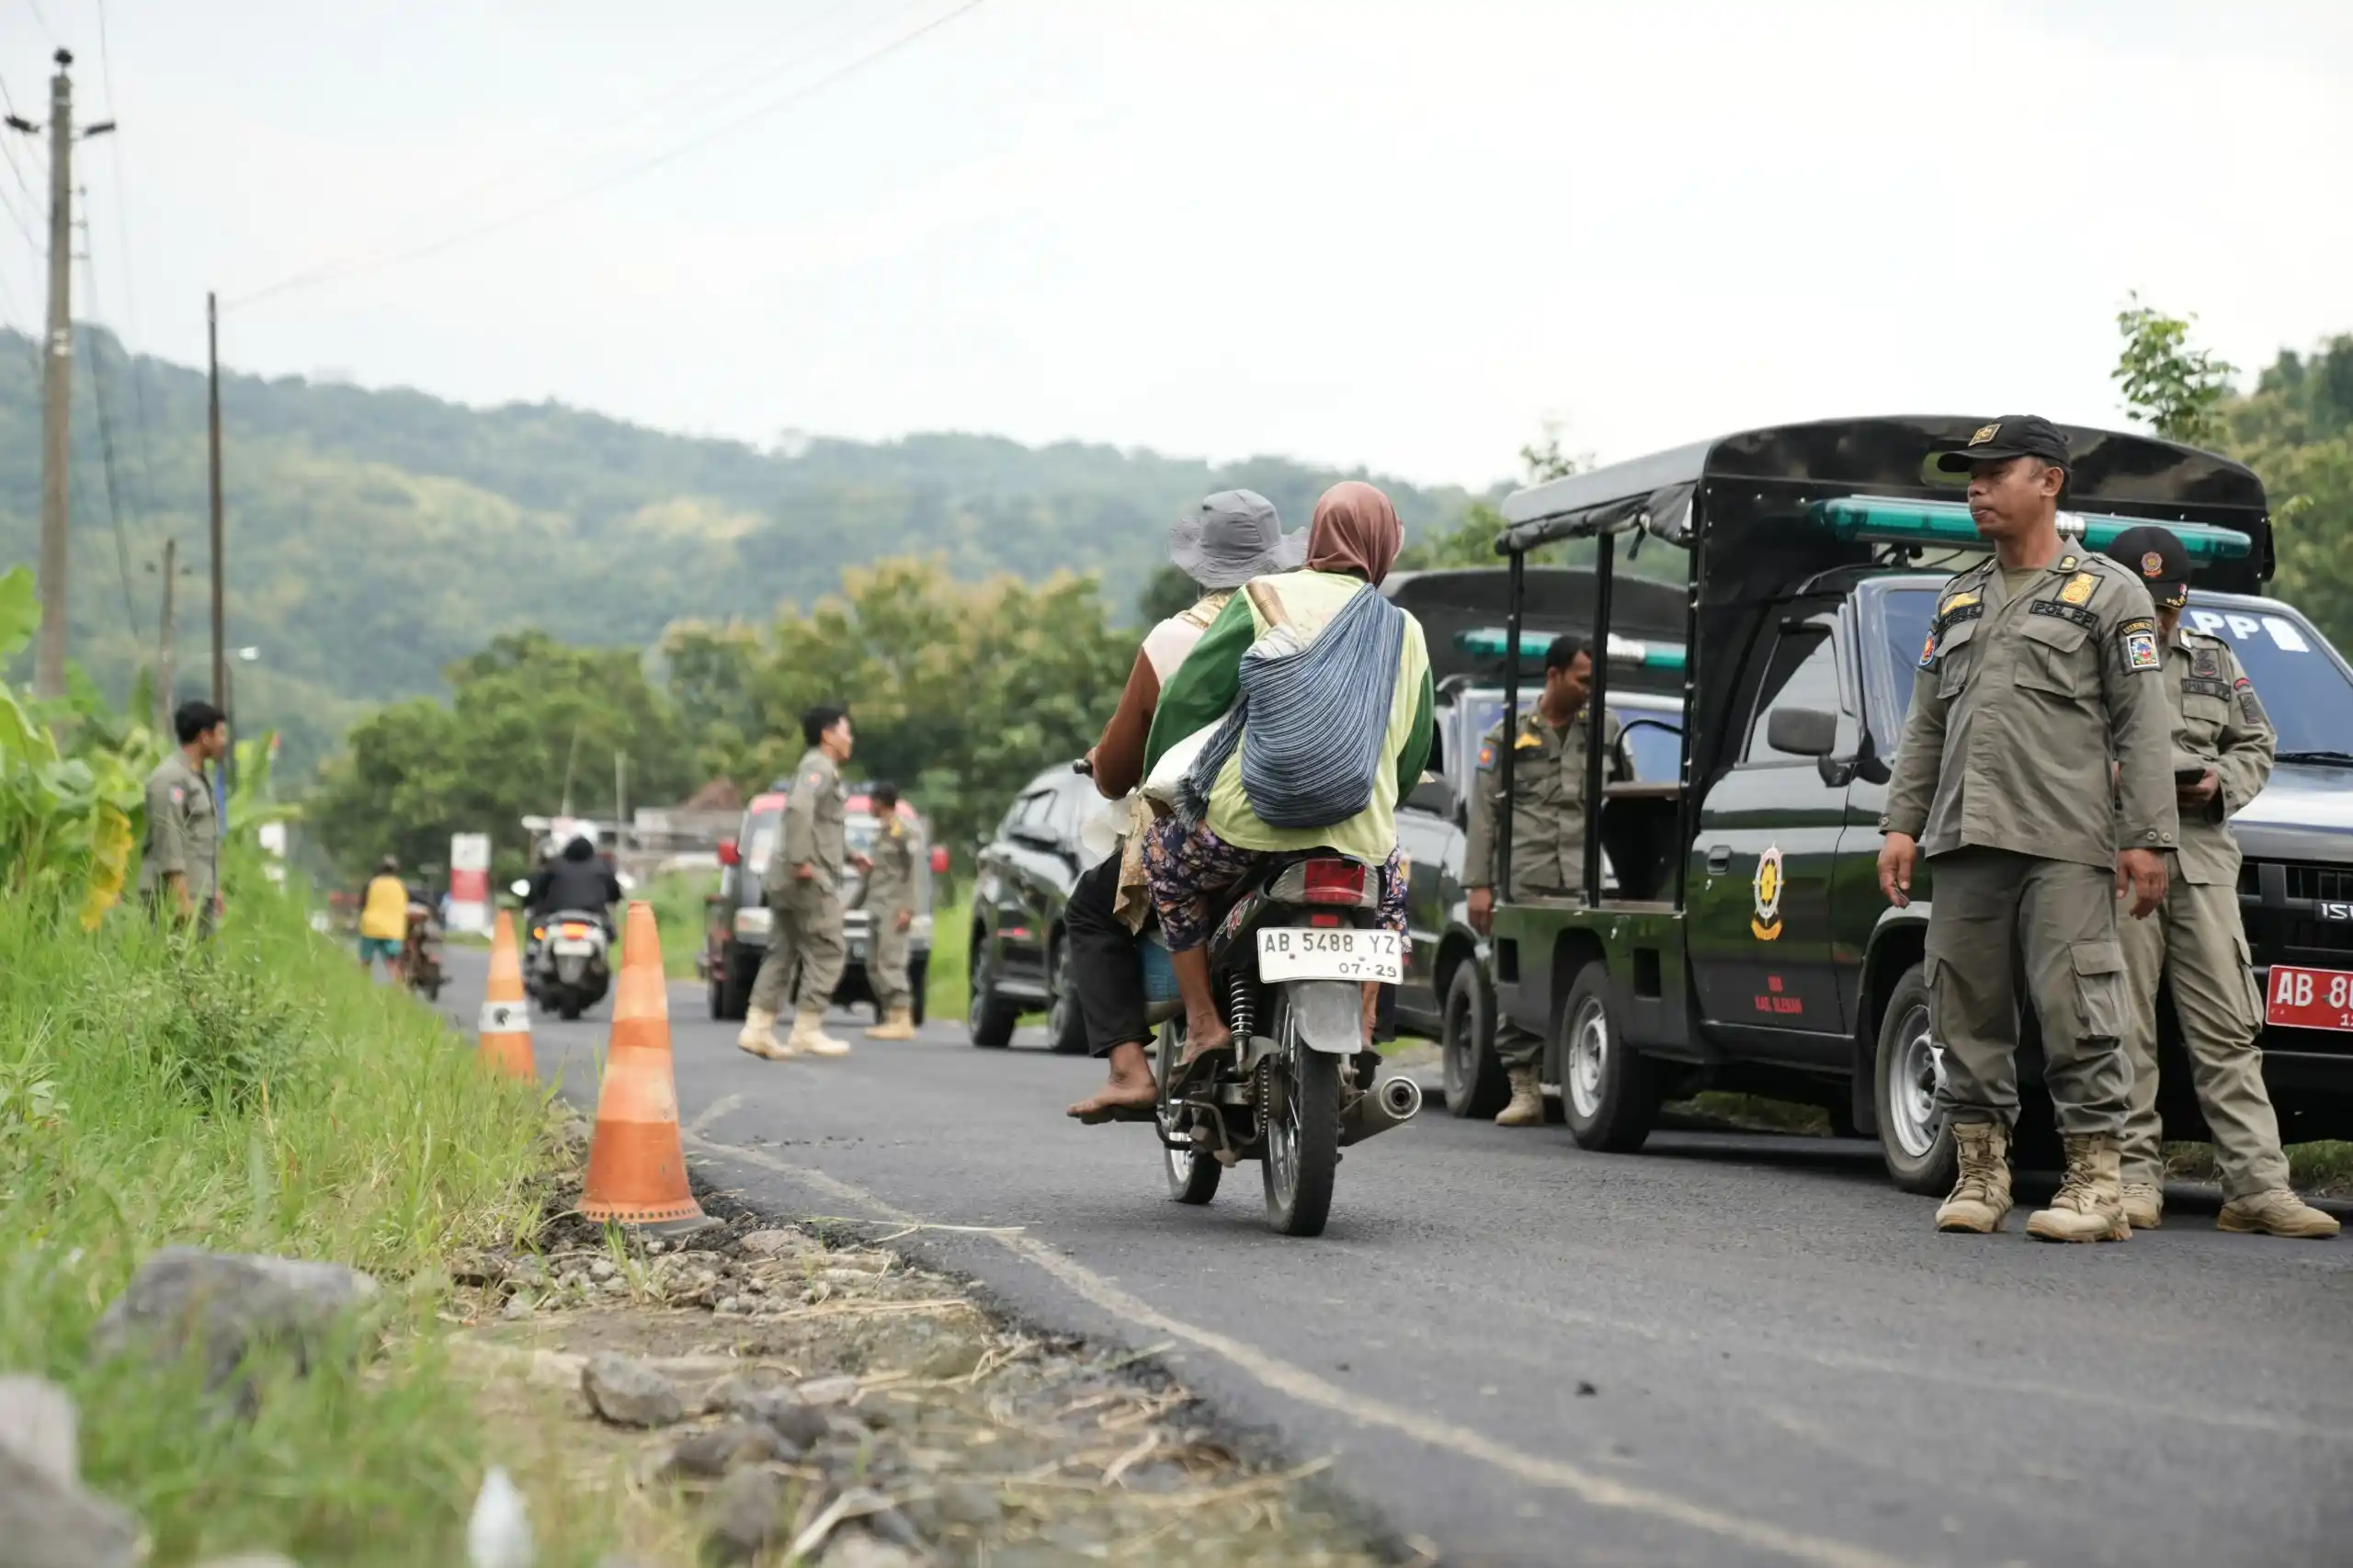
{"points": [[1334, 881], [574, 933], [1323, 921]]}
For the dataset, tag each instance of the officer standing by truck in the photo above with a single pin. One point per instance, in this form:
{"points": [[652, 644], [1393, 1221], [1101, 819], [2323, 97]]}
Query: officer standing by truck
{"points": [[1548, 829], [803, 885], [179, 869], [2223, 743], [2037, 657], [890, 902]]}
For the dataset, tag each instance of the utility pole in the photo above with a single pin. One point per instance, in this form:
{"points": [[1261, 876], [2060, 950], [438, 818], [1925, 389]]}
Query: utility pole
{"points": [[163, 651], [57, 387], [220, 637]]}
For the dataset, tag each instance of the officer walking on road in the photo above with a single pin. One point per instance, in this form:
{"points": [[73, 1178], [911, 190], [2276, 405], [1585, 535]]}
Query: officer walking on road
{"points": [[803, 885], [1548, 828], [890, 901], [179, 870], [2222, 742], [2036, 658]]}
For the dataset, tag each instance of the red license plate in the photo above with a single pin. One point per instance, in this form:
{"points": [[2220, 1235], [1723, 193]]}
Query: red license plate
{"points": [[2310, 998]]}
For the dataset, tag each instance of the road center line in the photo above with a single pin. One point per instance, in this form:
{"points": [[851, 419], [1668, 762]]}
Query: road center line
{"points": [[1596, 1490]]}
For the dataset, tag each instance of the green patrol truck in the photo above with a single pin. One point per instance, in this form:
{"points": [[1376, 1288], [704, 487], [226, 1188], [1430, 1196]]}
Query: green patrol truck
{"points": [[1745, 944]]}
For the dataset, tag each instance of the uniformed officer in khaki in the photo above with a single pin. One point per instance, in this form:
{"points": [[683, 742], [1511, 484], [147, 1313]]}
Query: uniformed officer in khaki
{"points": [[889, 898], [802, 883], [1548, 827], [2222, 742], [179, 869], [2037, 657]]}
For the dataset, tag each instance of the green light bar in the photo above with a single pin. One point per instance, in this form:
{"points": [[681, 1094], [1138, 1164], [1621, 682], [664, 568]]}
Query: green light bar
{"points": [[1947, 524], [1488, 642]]}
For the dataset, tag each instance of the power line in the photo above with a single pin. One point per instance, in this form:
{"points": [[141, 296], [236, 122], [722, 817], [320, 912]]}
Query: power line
{"points": [[96, 357], [129, 295], [333, 273]]}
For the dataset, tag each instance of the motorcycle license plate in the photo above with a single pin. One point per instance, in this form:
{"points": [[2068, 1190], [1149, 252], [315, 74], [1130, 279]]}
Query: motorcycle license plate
{"points": [[2309, 998], [1308, 952], [572, 950]]}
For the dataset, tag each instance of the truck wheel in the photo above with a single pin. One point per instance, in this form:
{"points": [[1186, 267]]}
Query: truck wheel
{"points": [[990, 1021], [1913, 1138], [1610, 1092], [737, 970], [1065, 1023], [1477, 1084], [918, 982]]}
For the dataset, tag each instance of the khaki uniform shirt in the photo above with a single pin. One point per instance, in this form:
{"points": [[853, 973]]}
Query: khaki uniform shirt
{"points": [[2018, 706], [891, 886], [2218, 724], [815, 825], [1548, 820], [183, 830]]}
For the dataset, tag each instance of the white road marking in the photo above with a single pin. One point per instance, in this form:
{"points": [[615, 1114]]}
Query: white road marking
{"points": [[1596, 1490]]}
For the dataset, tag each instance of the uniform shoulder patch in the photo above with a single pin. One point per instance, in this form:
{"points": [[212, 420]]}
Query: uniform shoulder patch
{"points": [[179, 794], [2141, 650], [1929, 652], [1487, 756]]}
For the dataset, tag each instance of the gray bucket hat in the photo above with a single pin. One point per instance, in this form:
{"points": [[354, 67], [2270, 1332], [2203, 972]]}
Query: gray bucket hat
{"points": [[1235, 536]]}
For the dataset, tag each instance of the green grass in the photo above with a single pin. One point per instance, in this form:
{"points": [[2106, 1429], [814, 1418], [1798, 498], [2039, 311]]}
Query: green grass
{"points": [[2320, 1168], [259, 1094], [948, 988], [678, 914]]}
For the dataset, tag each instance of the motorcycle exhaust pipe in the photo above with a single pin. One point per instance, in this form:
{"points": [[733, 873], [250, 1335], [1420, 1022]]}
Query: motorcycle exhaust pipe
{"points": [[1391, 1103]]}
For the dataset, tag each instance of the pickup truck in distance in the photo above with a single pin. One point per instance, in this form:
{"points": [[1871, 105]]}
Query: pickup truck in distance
{"points": [[1746, 944]]}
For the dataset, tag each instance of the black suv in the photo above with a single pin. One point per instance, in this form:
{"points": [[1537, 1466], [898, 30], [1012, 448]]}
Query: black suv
{"points": [[1021, 880]]}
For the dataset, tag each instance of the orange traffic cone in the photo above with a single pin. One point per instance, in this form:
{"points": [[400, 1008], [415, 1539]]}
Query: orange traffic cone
{"points": [[637, 1170], [505, 1020]]}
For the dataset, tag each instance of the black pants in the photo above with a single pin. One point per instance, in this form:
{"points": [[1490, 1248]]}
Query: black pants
{"points": [[1103, 961]]}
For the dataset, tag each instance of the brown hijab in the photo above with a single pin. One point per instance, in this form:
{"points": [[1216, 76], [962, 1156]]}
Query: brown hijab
{"points": [[1356, 531]]}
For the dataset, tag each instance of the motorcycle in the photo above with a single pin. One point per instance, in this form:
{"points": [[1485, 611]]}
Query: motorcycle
{"points": [[421, 951], [570, 971]]}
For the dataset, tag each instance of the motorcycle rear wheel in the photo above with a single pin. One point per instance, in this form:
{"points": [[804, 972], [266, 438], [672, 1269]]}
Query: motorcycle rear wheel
{"points": [[1193, 1174], [1303, 1134]]}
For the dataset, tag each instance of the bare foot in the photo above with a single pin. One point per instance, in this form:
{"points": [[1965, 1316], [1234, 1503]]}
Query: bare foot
{"points": [[1120, 1094]]}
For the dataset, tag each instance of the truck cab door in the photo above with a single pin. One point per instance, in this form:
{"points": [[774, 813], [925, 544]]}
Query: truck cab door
{"points": [[1765, 961]]}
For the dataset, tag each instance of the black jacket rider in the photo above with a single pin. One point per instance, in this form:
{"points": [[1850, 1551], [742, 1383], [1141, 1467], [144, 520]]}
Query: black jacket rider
{"points": [[575, 881]]}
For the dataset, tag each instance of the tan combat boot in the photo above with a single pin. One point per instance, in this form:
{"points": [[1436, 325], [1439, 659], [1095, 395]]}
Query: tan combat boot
{"points": [[899, 1024], [2089, 1204], [758, 1036], [2145, 1205], [1981, 1191], [1527, 1107], [2276, 1213], [809, 1035]]}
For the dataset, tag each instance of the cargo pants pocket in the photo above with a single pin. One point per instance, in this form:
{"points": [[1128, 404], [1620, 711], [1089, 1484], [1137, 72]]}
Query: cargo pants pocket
{"points": [[2099, 988], [2258, 1007]]}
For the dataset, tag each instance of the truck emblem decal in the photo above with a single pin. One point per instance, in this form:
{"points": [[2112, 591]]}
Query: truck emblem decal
{"points": [[2336, 912], [1767, 924]]}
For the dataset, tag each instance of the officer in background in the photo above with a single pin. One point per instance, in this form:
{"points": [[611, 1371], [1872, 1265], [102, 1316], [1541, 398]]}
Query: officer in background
{"points": [[2223, 743], [179, 870], [2037, 657], [802, 884], [1548, 828], [889, 899]]}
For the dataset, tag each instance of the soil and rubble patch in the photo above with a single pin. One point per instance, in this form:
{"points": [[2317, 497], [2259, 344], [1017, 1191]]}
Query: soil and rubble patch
{"points": [[762, 1393]]}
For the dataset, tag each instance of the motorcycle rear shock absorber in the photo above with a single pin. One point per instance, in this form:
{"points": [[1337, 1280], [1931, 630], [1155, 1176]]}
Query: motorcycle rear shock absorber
{"points": [[1241, 1008]]}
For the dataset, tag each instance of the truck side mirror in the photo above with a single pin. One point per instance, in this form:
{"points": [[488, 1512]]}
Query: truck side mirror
{"points": [[728, 854], [1801, 732], [519, 888], [939, 861]]}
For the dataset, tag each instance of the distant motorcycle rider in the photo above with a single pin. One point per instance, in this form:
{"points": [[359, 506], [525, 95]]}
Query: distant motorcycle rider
{"points": [[576, 880]]}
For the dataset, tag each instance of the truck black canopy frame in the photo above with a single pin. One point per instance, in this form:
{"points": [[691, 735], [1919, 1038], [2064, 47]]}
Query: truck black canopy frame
{"points": [[1737, 505]]}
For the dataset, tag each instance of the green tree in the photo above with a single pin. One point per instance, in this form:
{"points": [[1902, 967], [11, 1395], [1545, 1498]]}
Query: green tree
{"points": [[2296, 430], [2177, 390], [526, 715]]}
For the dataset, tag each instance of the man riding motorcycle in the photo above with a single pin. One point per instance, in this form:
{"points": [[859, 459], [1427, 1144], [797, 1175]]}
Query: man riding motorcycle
{"points": [[575, 880]]}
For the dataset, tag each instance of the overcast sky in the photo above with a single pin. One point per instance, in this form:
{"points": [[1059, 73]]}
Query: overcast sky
{"points": [[1402, 234]]}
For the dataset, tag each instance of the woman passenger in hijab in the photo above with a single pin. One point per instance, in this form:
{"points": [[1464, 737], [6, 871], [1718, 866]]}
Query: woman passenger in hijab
{"points": [[1351, 544]]}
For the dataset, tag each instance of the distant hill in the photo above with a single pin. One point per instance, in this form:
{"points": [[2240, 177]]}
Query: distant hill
{"points": [[376, 536]]}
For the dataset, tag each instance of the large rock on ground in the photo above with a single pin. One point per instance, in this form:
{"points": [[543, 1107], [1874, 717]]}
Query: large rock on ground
{"points": [[45, 1523], [37, 1423], [630, 1393], [223, 1307]]}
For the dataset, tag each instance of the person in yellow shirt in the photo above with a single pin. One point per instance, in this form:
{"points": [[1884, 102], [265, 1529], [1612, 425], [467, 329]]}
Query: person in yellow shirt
{"points": [[383, 919]]}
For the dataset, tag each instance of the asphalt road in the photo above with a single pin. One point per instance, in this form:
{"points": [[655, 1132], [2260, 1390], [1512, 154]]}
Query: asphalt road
{"points": [[1719, 1351]]}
